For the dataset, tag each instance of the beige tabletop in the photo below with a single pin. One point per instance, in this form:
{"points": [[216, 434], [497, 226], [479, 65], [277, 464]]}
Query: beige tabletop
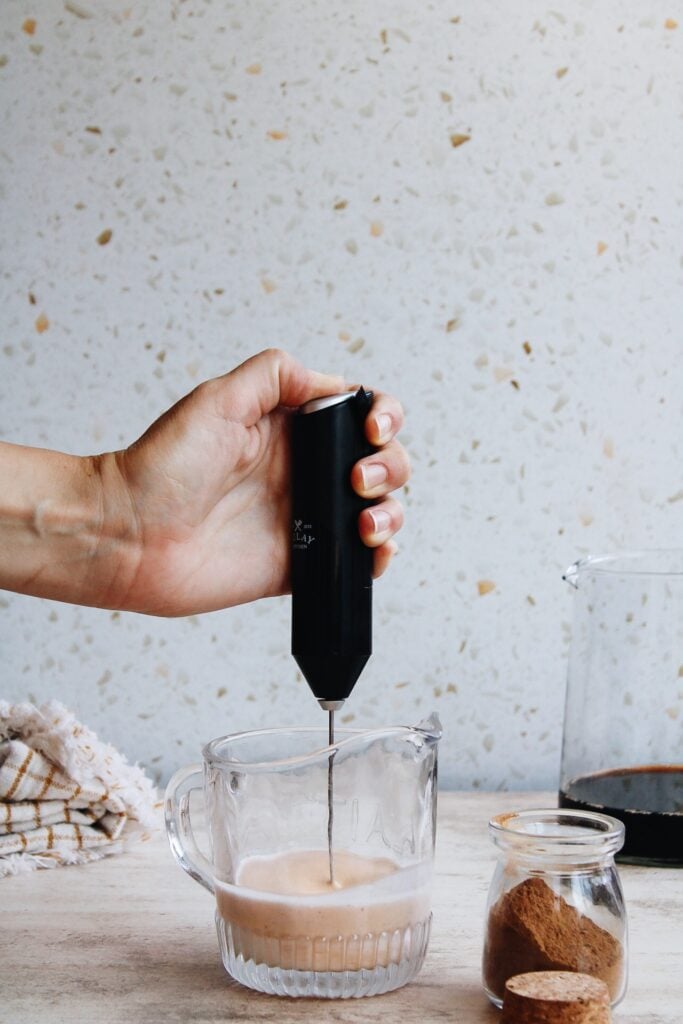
{"points": [[131, 939]]}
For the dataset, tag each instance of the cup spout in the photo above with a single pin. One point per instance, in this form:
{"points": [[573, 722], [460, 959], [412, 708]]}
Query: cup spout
{"points": [[430, 728], [571, 576]]}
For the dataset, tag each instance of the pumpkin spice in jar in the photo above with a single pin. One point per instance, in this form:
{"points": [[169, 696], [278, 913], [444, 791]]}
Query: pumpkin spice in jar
{"points": [[555, 901]]}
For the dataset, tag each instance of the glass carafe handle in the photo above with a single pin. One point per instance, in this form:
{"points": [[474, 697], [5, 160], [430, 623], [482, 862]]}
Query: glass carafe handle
{"points": [[179, 827]]}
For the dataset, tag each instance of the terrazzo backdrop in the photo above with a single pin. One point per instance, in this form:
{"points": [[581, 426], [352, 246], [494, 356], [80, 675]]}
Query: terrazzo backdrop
{"points": [[474, 205]]}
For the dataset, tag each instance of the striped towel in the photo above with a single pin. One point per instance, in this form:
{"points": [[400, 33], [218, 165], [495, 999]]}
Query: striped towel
{"points": [[65, 797]]}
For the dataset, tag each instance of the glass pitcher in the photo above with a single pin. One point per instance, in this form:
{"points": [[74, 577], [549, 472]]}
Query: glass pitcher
{"points": [[284, 926], [622, 751]]}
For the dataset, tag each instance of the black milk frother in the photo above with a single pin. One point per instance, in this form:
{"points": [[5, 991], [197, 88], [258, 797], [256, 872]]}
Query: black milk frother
{"points": [[331, 568]]}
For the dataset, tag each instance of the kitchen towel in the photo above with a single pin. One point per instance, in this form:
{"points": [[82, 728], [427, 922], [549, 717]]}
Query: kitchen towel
{"points": [[66, 797]]}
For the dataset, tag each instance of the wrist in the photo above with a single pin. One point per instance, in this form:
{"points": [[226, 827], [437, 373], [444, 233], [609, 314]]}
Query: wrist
{"points": [[117, 548], [67, 531]]}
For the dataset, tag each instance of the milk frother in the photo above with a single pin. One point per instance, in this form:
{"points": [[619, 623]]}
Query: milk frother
{"points": [[331, 568]]}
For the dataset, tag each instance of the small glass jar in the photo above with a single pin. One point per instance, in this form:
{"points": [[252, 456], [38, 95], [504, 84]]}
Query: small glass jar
{"points": [[555, 902]]}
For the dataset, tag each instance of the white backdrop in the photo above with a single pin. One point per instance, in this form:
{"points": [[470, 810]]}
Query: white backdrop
{"points": [[477, 206]]}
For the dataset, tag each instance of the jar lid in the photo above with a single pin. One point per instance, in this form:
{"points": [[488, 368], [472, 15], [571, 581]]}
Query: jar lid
{"points": [[562, 834], [564, 997]]}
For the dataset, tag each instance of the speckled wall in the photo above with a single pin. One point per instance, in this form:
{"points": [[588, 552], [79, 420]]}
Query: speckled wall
{"points": [[475, 205]]}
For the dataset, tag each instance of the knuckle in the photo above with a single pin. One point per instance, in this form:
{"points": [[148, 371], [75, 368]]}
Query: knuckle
{"points": [[399, 460], [207, 388], [275, 355]]}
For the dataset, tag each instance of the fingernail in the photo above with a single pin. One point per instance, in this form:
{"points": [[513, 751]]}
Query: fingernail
{"points": [[373, 473], [381, 520], [383, 422]]}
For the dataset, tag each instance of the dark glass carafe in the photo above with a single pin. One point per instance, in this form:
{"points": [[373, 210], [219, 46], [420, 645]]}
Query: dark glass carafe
{"points": [[622, 750]]}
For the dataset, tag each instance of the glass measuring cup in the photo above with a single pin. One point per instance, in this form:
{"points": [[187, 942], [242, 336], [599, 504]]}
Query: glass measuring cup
{"points": [[282, 928], [622, 751]]}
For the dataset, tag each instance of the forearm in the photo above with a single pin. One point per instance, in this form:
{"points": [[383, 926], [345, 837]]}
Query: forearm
{"points": [[65, 531]]}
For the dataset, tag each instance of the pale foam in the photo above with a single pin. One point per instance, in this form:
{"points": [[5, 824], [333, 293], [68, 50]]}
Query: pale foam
{"points": [[283, 904], [307, 872]]}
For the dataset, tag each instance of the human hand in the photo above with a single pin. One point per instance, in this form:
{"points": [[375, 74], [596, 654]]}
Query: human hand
{"points": [[202, 498]]}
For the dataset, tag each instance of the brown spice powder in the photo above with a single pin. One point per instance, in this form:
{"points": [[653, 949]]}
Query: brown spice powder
{"points": [[532, 928]]}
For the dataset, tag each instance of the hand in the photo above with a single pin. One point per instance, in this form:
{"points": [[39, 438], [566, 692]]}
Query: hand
{"points": [[202, 498]]}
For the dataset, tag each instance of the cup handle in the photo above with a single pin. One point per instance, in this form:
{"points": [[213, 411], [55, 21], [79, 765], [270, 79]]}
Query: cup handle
{"points": [[179, 827]]}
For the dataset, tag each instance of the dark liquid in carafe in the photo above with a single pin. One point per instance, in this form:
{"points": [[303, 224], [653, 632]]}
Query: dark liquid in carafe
{"points": [[649, 801]]}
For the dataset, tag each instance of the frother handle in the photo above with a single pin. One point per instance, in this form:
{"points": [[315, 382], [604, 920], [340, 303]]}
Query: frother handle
{"points": [[331, 566], [179, 826]]}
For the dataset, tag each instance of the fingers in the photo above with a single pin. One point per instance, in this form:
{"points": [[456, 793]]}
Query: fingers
{"points": [[382, 472], [383, 556], [269, 379], [384, 420], [379, 523], [274, 377], [377, 475]]}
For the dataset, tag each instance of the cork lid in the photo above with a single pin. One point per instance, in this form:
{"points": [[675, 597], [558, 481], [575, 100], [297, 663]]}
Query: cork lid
{"points": [[555, 997]]}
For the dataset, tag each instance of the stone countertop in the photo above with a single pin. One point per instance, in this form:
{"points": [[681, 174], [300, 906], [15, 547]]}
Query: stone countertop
{"points": [[131, 939]]}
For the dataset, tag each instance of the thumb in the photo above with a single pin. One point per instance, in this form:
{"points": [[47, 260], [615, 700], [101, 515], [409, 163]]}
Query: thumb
{"points": [[270, 379]]}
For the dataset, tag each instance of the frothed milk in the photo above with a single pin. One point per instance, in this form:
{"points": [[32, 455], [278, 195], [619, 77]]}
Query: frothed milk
{"points": [[284, 912]]}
